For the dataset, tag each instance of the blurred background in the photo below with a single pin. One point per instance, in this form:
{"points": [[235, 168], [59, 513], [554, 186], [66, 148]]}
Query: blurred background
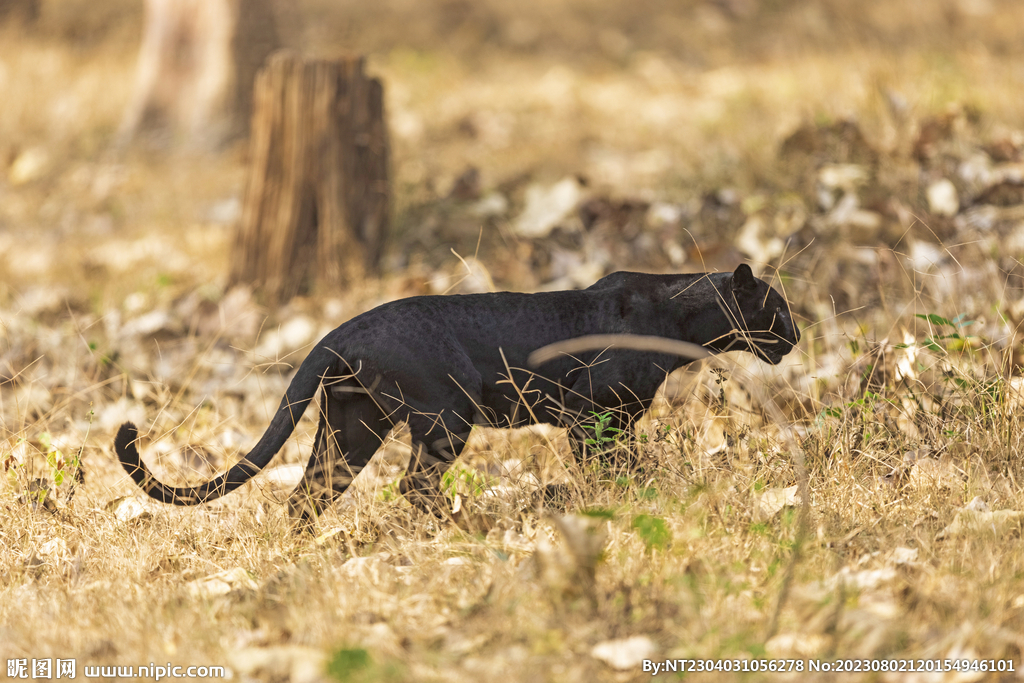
{"points": [[869, 151]]}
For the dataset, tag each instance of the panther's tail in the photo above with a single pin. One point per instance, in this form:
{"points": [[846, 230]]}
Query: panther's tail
{"points": [[298, 395]]}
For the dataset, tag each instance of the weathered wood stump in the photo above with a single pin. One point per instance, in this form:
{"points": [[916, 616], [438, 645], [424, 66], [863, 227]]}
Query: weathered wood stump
{"points": [[316, 203]]}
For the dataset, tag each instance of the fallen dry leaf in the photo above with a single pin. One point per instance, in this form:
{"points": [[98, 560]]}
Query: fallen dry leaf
{"points": [[129, 509], [55, 549], [974, 522], [547, 206], [771, 501], [865, 579], [902, 555], [222, 583], [369, 569], [626, 653]]}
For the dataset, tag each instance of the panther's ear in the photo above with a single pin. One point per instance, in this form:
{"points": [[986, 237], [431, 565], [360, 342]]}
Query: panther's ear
{"points": [[743, 278]]}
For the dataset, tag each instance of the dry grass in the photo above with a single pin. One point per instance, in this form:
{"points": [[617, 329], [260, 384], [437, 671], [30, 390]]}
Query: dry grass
{"points": [[113, 307]]}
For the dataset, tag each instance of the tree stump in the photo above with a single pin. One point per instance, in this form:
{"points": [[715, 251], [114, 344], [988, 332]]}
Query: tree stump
{"points": [[316, 202]]}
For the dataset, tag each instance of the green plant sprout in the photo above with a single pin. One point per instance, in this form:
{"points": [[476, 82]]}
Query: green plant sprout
{"points": [[604, 434], [466, 481], [952, 340]]}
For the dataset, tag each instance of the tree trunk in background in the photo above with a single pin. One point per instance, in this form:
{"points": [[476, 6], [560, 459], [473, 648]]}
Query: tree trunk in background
{"points": [[25, 11], [316, 202], [262, 28], [196, 65]]}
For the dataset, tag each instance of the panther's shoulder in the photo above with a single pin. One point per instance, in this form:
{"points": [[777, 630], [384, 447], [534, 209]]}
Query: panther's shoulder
{"points": [[613, 280], [647, 283]]}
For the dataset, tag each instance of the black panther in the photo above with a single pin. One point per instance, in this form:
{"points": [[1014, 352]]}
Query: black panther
{"points": [[443, 364]]}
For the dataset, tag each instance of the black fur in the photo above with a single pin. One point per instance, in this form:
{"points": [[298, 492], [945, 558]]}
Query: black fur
{"points": [[445, 363]]}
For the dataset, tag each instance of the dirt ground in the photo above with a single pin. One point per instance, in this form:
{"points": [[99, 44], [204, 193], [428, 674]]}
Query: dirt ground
{"points": [[866, 157]]}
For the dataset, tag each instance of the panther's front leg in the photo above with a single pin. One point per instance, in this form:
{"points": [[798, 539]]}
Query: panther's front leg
{"points": [[600, 411], [606, 435]]}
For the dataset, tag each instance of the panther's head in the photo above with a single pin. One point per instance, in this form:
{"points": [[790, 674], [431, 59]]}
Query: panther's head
{"points": [[761, 317]]}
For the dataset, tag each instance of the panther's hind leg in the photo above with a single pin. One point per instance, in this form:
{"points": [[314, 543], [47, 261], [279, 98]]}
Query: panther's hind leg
{"points": [[436, 443], [351, 430]]}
